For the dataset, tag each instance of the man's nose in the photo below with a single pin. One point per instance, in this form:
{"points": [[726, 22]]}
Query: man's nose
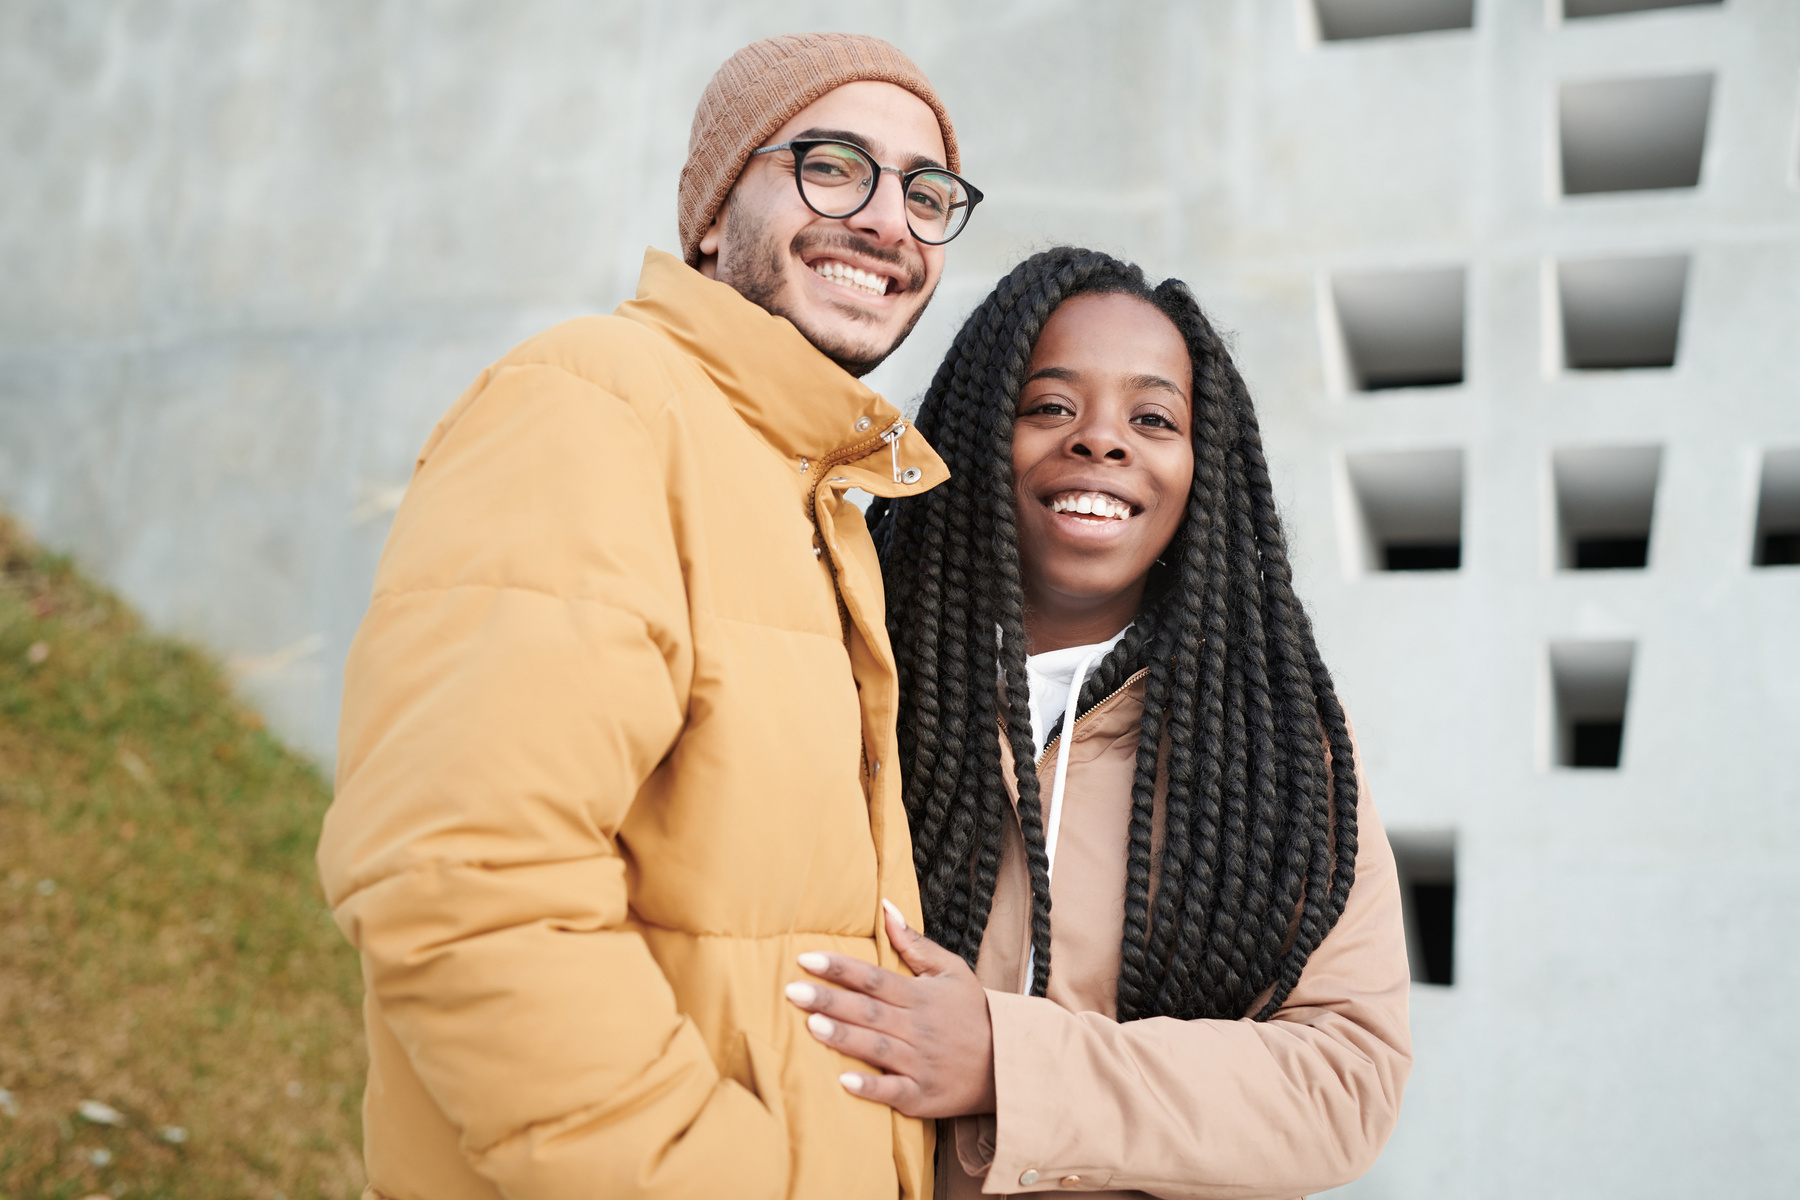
{"points": [[883, 218]]}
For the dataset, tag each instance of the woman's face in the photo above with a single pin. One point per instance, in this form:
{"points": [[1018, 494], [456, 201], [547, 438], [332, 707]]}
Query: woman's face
{"points": [[1105, 425]]}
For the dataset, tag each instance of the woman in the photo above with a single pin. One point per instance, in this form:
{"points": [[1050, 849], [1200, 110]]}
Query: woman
{"points": [[1189, 975]]}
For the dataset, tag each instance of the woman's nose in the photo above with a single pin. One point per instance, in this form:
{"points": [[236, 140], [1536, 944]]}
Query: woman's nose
{"points": [[1100, 437]]}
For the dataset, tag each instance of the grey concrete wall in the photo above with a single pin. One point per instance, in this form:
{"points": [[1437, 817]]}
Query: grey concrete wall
{"points": [[251, 250]]}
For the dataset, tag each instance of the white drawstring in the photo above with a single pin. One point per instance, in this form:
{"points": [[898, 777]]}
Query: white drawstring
{"points": [[1053, 825]]}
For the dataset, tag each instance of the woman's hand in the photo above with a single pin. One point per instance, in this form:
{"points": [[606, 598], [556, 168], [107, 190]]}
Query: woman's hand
{"points": [[931, 1033]]}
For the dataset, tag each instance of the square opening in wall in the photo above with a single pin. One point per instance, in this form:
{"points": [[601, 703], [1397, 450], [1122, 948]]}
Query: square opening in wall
{"points": [[1605, 500], [1621, 313], [1575, 9], [1401, 328], [1778, 510], [1628, 135], [1591, 682], [1408, 509], [1426, 863], [1340, 20]]}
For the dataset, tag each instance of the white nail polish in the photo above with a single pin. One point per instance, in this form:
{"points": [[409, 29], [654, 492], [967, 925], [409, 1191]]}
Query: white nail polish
{"points": [[851, 1080], [812, 960], [821, 1025], [802, 993], [893, 910]]}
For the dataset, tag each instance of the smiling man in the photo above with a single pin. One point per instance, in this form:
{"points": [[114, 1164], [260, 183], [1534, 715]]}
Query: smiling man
{"points": [[618, 727]]}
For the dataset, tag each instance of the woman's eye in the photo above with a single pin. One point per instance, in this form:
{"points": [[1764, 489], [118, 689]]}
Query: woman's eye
{"points": [[1048, 408], [1154, 418]]}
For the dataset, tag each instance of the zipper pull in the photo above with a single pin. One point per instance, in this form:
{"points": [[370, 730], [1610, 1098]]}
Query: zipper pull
{"points": [[892, 437]]}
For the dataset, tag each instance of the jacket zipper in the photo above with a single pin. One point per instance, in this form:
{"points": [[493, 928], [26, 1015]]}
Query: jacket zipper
{"points": [[891, 435], [1044, 755], [817, 471]]}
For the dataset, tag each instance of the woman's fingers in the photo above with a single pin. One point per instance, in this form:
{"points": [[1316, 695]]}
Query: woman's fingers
{"points": [[853, 1007], [868, 1045], [853, 973], [896, 1091], [919, 952]]}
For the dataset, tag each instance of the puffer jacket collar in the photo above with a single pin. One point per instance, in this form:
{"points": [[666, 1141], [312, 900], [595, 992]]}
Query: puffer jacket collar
{"points": [[805, 407]]}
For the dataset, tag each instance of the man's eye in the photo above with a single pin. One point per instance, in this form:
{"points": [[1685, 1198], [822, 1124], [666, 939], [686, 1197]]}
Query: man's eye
{"points": [[926, 203]]}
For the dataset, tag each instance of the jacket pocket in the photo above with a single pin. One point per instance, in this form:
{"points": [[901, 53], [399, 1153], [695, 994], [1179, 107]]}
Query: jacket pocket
{"points": [[765, 1078]]}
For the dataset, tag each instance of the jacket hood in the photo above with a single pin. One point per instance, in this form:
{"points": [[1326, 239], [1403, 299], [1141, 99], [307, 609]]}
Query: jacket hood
{"points": [[806, 407]]}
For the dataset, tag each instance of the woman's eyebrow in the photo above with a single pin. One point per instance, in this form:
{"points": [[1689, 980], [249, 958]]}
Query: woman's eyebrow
{"points": [[1062, 373], [1140, 383]]}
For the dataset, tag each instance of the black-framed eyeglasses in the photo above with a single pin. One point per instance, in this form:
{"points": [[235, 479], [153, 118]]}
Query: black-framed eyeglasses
{"points": [[838, 179]]}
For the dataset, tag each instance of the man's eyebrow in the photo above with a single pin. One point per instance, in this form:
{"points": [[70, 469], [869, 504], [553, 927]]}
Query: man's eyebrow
{"points": [[840, 135], [874, 147]]}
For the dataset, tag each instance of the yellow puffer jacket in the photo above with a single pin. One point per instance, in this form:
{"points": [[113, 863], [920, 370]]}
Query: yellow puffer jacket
{"points": [[615, 748]]}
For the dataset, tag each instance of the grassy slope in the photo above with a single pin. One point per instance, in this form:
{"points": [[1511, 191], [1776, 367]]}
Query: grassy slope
{"points": [[163, 946]]}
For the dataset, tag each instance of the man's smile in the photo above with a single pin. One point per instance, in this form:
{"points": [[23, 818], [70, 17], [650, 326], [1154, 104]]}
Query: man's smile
{"points": [[855, 278]]}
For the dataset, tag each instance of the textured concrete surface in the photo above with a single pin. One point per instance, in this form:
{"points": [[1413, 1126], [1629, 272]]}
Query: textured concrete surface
{"points": [[251, 250]]}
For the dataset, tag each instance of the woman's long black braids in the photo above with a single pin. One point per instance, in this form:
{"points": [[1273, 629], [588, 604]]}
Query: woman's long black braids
{"points": [[1260, 844]]}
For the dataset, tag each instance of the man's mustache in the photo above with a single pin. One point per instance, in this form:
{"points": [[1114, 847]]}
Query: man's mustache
{"points": [[911, 267]]}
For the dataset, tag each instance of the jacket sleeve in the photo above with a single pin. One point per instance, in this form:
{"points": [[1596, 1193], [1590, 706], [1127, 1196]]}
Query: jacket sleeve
{"points": [[1214, 1109], [523, 668]]}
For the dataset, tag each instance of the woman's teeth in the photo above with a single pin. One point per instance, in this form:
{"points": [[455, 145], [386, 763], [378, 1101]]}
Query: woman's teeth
{"points": [[1095, 504], [855, 277]]}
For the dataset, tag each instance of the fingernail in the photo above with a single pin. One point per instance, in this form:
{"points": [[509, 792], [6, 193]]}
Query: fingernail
{"points": [[812, 960], [851, 1080], [821, 1024], [893, 910], [802, 993]]}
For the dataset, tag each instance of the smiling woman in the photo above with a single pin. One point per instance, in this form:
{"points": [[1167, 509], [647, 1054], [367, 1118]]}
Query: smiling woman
{"points": [[1102, 461], [1165, 951]]}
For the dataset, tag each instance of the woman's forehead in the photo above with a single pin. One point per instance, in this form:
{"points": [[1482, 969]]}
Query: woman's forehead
{"points": [[1112, 335]]}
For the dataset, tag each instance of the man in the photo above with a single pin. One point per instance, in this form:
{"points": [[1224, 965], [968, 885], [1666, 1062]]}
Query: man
{"points": [[617, 726]]}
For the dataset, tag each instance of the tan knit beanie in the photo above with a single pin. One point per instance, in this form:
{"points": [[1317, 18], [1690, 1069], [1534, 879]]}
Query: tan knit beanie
{"points": [[756, 92]]}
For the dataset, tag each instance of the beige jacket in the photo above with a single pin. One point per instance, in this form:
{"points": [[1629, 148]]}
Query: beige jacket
{"points": [[1224, 1110], [613, 753]]}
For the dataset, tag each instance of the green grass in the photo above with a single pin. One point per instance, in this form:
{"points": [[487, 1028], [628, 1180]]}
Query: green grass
{"points": [[164, 949]]}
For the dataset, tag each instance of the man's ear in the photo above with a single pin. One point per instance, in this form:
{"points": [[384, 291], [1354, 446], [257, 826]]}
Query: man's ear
{"points": [[709, 247]]}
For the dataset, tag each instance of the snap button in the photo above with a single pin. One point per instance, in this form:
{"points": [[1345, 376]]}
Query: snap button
{"points": [[876, 769], [910, 475], [862, 424], [1028, 1178], [840, 479], [1071, 1181]]}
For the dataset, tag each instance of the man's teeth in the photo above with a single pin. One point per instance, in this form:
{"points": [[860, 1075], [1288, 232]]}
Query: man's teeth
{"points": [[1097, 504], [849, 276]]}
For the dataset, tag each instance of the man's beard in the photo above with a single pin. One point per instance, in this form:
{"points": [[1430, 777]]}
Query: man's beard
{"points": [[754, 269]]}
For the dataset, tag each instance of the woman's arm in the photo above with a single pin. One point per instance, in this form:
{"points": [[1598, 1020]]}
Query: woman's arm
{"points": [[1239, 1109], [1213, 1109]]}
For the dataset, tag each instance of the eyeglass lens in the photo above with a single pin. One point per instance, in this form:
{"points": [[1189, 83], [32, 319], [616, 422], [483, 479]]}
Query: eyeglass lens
{"points": [[836, 179]]}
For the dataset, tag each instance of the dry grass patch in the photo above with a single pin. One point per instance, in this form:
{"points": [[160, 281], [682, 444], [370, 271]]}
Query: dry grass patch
{"points": [[167, 965]]}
